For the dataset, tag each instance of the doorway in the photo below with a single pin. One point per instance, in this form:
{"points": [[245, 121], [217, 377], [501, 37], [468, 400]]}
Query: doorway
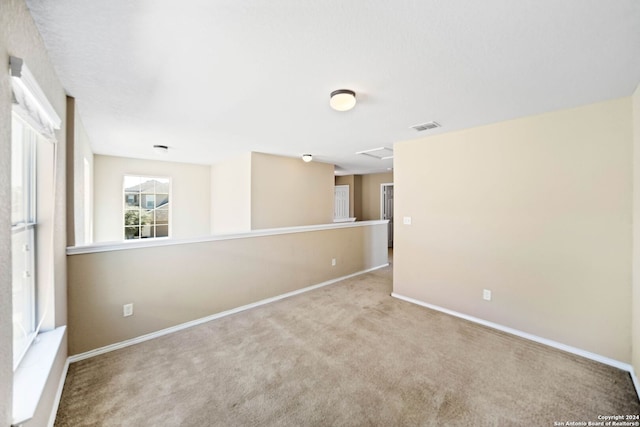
{"points": [[386, 209], [341, 202]]}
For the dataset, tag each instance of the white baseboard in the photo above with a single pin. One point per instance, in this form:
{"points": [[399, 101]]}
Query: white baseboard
{"points": [[577, 351], [152, 335], [636, 384]]}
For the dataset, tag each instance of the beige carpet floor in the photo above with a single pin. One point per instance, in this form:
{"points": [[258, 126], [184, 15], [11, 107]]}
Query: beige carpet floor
{"points": [[344, 355]]}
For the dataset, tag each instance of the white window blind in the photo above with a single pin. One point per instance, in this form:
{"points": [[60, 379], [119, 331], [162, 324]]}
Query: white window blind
{"points": [[30, 102]]}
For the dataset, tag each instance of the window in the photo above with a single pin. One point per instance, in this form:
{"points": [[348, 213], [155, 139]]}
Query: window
{"points": [[146, 207], [33, 126], [23, 227]]}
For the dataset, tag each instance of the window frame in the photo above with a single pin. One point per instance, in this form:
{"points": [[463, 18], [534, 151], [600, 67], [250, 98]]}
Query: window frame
{"points": [[32, 364], [27, 224], [141, 208]]}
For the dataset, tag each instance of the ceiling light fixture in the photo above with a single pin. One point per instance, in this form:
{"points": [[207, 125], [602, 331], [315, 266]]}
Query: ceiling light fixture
{"points": [[342, 99], [161, 149], [307, 158]]}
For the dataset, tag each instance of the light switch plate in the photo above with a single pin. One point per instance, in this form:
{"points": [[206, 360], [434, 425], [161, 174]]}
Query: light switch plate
{"points": [[127, 310]]}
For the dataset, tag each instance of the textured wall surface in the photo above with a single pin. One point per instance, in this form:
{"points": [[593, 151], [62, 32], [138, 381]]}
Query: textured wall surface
{"points": [[635, 307], [19, 37], [6, 370]]}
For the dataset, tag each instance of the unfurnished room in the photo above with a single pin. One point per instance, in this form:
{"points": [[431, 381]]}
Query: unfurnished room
{"points": [[329, 213]]}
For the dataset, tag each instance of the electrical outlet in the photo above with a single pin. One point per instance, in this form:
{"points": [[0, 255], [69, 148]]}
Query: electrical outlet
{"points": [[406, 220], [127, 310], [486, 295], [333, 262]]}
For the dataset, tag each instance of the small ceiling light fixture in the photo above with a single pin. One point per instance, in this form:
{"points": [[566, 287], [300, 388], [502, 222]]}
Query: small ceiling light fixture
{"points": [[342, 99], [161, 149], [307, 158]]}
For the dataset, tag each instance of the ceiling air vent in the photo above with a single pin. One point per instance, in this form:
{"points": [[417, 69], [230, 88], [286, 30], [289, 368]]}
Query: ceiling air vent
{"points": [[382, 153], [425, 126]]}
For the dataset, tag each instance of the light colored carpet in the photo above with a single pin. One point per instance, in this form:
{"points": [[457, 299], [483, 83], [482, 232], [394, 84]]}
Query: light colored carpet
{"points": [[344, 355]]}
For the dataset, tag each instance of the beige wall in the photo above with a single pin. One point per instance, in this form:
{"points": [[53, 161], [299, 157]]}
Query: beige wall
{"points": [[19, 37], [170, 285], [288, 192], [364, 194], [79, 164], [538, 210], [231, 195], [350, 181], [355, 193], [371, 194], [190, 195], [635, 307], [357, 198]]}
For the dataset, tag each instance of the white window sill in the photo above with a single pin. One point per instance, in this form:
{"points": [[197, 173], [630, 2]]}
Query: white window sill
{"points": [[31, 376]]}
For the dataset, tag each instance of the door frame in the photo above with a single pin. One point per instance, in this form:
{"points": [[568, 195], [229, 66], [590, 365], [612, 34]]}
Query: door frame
{"points": [[390, 225], [342, 186], [384, 184]]}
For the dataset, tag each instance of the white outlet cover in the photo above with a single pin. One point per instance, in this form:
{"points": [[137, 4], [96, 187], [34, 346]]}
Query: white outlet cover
{"points": [[127, 310], [406, 220], [486, 295], [333, 261]]}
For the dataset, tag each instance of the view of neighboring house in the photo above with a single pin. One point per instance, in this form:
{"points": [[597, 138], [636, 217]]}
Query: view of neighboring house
{"points": [[146, 212]]}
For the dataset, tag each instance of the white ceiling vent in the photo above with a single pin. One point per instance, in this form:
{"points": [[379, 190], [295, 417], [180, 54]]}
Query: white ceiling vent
{"points": [[382, 153], [425, 126]]}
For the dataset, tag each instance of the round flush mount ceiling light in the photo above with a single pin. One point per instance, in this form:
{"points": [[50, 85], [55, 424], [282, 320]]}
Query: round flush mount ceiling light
{"points": [[342, 99], [307, 158], [161, 149]]}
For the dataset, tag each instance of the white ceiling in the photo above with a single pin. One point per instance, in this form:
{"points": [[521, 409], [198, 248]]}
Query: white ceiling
{"points": [[213, 78]]}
